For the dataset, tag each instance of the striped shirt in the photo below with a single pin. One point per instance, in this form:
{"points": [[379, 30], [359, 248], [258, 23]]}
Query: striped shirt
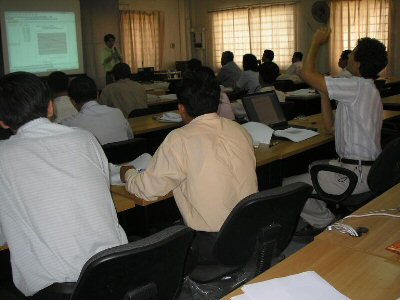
{"points": [[56, 207], [358, 119]]}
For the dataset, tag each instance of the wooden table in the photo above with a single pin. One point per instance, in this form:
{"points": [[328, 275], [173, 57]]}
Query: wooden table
{"points": [[391, 102], [146, 124], [355, 274], [383, 231]]}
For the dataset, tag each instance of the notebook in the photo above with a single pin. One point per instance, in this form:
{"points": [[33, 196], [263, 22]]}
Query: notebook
{"points": [[265, 108]]}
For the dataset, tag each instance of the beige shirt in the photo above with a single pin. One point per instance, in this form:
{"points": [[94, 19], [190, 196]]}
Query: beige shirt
{"points": [[124, 94], [209, 164]]}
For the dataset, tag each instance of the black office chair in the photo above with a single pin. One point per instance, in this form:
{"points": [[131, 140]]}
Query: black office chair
{"points": [[125, 151], [258, 229], [148, 269], [144, 111], [384, 174]]}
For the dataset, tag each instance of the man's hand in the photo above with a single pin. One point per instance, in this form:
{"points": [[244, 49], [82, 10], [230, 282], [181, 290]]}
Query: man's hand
{"points": [[321, 36], [123, 170]]}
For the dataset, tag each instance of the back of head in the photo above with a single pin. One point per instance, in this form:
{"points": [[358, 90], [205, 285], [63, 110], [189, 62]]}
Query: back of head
{"points": [[269, 54], [250, 62], [108, 37], [208, 71], [372, 56], [298, 56], [82, 89], [227, 56], [194, 64], [121, 71], [23, 98], [199, 93], [345, 54], [58, 82]]}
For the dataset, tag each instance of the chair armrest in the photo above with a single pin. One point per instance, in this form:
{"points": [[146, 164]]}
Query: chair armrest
{"points": [[353, 179]]}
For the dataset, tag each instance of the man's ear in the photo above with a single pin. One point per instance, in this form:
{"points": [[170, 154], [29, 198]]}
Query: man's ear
{"points": [[50, 110], [3, 125], [181, 108]]}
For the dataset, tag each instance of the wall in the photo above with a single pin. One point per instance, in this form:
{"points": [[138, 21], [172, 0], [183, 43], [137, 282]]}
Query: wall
{"points": [[98, 17]]}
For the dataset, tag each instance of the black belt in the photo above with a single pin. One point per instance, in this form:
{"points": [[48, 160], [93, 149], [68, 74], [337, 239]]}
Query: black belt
{"points": [[356, 162]]}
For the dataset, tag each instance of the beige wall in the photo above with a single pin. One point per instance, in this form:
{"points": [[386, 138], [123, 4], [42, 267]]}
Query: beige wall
{"points": [[98, 17]]}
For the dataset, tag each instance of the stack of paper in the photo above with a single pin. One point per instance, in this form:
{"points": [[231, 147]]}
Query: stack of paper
{"points": [[303, 93], [170, 117], [260, 133], [307, 285], [296, 134]]}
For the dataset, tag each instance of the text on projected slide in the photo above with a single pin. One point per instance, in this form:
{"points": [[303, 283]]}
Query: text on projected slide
{"points": [[41, 41]]}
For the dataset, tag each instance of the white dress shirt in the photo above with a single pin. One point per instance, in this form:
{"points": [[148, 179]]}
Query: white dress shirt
{"points": [[56, 207], [108, 124], [249, 81], [63, 108], [358, 119]]}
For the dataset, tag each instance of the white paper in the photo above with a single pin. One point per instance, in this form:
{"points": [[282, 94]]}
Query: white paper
{"points": [[307, 285], [169, 97], [260, 133], [139, 163], [303, 93], [152, 98], [296, 134], [170, 117]]}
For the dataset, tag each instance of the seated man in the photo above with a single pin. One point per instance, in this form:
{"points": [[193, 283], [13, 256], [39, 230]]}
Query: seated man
{"points": [[107, 124], [209, 163], [230, 72], [357, 123], [58, 83], [56, 207], [268, 69], [124, 94], [293, 72]]}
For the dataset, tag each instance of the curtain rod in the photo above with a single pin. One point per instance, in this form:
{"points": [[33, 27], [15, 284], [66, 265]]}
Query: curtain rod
{"points": [[254, 5]]}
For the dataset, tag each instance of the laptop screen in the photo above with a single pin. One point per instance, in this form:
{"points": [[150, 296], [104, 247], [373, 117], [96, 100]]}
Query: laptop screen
{"points": [[264, 108]]}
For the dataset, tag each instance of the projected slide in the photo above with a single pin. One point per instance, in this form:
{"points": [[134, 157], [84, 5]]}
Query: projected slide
{"points": [[41, 42]]}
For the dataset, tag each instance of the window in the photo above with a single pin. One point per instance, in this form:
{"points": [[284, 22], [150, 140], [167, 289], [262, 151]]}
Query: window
{"points": [[354, 19], [142, 38], [252, 30]]}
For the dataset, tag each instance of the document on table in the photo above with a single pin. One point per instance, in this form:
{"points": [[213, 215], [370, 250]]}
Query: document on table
{"points": [[296, 134], [307, 285], [169, 97], [170, 117], [139, 163], [260, 133], [302, 93]]}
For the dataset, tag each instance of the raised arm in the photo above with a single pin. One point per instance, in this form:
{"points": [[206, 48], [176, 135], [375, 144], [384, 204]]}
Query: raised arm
{"points": [[309, 73]]}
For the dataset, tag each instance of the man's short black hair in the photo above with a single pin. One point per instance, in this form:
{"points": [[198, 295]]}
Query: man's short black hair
{"points": [[58, 82], [82, 89], [228, 55], [250, 62], [269, 54], [109, 36], [199, 93], [298, 55], [121, 71], [23, 98], [372, 56], [193, 64], [345, 54]]}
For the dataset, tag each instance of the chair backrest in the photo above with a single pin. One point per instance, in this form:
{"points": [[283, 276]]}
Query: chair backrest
{"points": [[144, 111], [125, 151], [237, 238], [152, 266], [385, 172]]}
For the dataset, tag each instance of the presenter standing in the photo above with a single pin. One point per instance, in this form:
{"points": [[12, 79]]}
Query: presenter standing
{"points": [[109, 56]]}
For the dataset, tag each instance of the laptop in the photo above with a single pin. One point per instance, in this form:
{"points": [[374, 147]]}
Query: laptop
{"points": [[265, 108], [145, 74]]}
